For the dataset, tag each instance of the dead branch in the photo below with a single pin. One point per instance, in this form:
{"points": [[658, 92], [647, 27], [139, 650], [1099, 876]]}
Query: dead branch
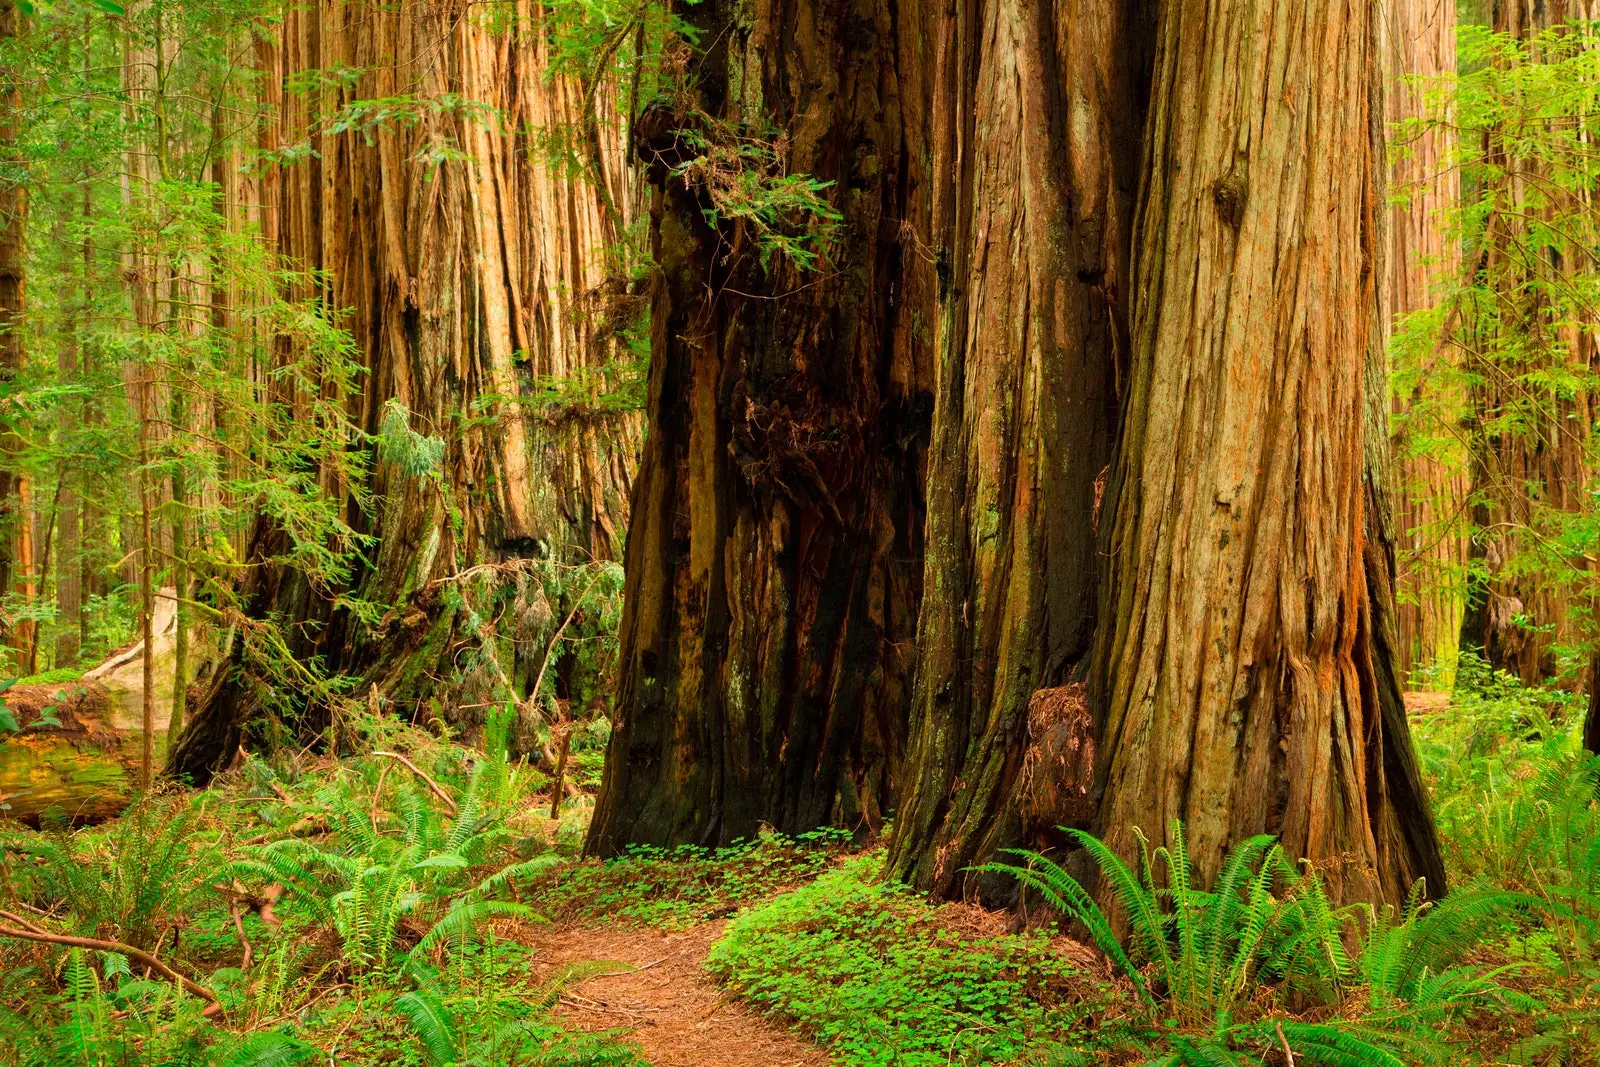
{"points": [[138, 954], [438, 790]]}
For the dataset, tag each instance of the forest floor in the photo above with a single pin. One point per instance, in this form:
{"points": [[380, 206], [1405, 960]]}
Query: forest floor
{"points": [[658, 993], [771, 952]]}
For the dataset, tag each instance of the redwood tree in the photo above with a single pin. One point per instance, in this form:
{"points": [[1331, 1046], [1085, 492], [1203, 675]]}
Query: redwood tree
{"points": [[1530, 445], [773, 559], [1423, 256], [1244, 678], [13, 250], [1036, 129], [474, 266]]}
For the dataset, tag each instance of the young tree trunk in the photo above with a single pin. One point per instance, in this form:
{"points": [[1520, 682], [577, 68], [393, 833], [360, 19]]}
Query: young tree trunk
{"points": [[1419, 41], [13, 252], [1036, 120], [1242, 675], [474, 287], [68, 556], [772, 563], [25, 575]]}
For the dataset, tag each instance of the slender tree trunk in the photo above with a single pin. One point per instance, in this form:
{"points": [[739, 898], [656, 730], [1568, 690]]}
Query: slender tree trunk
{"points": [[13, 253], [25, 576], [1037, 122], [771, 570], [88, 571], [1419, 41], [147, 569], [1240, 676], [180, 584], [68, 561]]}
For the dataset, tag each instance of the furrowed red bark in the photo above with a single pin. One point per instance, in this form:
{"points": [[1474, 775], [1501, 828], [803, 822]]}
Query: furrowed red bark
{"points": [[1244, 679], [1037, 123], [771, 578], [472, 285]]}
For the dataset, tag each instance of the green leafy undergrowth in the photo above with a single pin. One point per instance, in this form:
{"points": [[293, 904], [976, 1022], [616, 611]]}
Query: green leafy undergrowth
{"points": [[479, 1008], [873, 972], [679, 887], [347, 914], [1259, 962]]}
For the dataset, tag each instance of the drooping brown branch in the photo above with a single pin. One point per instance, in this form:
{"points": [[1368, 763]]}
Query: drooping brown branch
{"points": [[46, 937]]}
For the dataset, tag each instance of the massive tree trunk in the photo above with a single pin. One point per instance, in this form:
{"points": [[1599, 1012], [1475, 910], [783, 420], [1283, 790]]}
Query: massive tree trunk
{"points": [[1242, 673], [773, 560], [1035, 132], [477, 289], [1422, 255]]}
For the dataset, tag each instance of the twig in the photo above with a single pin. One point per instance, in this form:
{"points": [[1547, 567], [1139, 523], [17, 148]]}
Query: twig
{"points": [[306, 827], [1288, 1053], [561, 769], [438, 791], [377, 793], [549, 650], [23, 922], [538, 687], [108, 946], [238, 926]]}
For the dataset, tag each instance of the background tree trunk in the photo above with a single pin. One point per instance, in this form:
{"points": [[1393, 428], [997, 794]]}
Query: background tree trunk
{"points": [[473, 286], [1419, 41], [68, 556], [1238, 676], [1036, 122], [773, 561], [1515, 616], [13, 252]]}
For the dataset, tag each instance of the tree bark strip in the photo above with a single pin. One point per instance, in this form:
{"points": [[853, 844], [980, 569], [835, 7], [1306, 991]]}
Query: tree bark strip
{"points": [[771, 570], [1238, 678], [1041, 143]]}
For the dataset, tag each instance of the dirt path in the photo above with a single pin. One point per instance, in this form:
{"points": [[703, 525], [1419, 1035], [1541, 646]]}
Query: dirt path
{"points": [[672, 1008]]}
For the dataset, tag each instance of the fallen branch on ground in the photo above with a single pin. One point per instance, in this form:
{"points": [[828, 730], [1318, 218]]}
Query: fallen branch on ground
{"points": [[138, 954]]}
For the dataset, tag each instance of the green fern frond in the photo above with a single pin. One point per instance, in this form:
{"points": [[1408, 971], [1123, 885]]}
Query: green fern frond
{"points": [[270, 1050], [515, 873], [466, 916], [1327, 1045], [1144, 914], [1063, 892], [431, 1023]]}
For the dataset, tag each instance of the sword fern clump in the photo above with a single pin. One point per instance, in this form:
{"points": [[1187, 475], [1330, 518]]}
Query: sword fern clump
{"points": [[1221, 966], [370, 881]]}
